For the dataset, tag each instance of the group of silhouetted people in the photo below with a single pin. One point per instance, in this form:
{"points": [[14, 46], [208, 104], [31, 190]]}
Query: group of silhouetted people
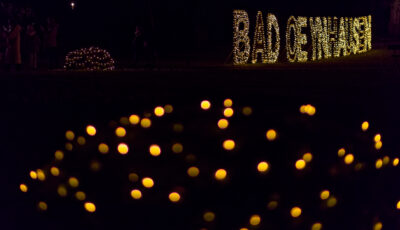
{"points": [[23, 39]]}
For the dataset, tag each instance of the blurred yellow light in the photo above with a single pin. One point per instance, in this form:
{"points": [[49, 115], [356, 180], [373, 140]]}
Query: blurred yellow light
{"points": [[69, 146], [80, 195], [331, 202], [325, 194], [148, 182], [124, 121], [341, 152], [155, 150], [205, 105], [271, 135], [262, 166], [310, 110], [42, 206], [23, 188], [33, 175], [228, 112], [90, 207], [120, 132], [378, 226], [228, 103], [223, 123], [40, 174], [81, 140], [220, 174], [244, 229], [378, 145], [159, 111], [247, 111], [69, 135], [386, 160], [62, 191], [168, 108], [255, 220], [73, 182], [377, 138], [193, 171], [378, 164], [55, 171], [133, 177], [174, 197], [307, 157], [95, 166], [398, 205], [349, 158], [209, 216], [145, 123], [272, 205], [365, 126], [300, 164], [103, 148], [295, 212], [136, 194], [134, 119], [396, 162], [229, 145], [303, 109], [59, 155], [91, 130], [177, 148], [316, 226], [177, 128], [123, 148]]}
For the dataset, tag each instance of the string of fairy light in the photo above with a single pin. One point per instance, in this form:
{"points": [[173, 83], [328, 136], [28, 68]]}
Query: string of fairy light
{"points": [[70, 185], [89, 59]]}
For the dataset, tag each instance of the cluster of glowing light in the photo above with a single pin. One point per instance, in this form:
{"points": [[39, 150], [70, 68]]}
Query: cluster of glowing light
{"points": [[89, 59], [307, 157], [365, 126], [81, 140], [272, 25], [331, 202], [319, 38], [247, 111], [42, 206], [59, 155], [223, 123], [177, 148], [377, 137], [228, 112], [147, 182], [378, 141], [228, 102], [295, 52], [341, 152], [69, 135], [40, 175], [91, 130], [378, 164], [168, 108], [295, 212], [136, 194], [120, 132], [205, 105], [324, 195], [103, 148], [145, 123], [174, 197], [155, 150], [33, 175], [220, 174], [193, 171], [308, 109], [123, 148], [259, 44], [62, 191], [395, 162], [73, 182], [300, 164], [255, 220], [241, 40], [209, 216], [228, 145], [54, 171], [349, 158], [271, 135], [134, 177], [90, 207], [316, 226], [263, 166], [80, 195], [159, 111], [23, 188], [134, 119]]}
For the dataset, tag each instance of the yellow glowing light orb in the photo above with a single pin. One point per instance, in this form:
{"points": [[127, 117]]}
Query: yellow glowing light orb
{"points": [[90, 207], [62, 191], [209, 216], [341, 152], [174, 197], [396, 162], [168, 108], [177, 148], [325, 194], [365, 126], [91, 130], [55, 171], [193, 171], [205, 105], [220, 174], [134, 119], [228, 145], [247, 111], [155, 150], [349, 158], [243, 229], [120, 132], [303, 109], [223, 123], [378, 226], [59, 155], [377, 138], [386, 160], [310, 110], [300, 164], [42, 206], [228, 112], [136, 194], [307, 157], [69, 135], [295, 212], [123, 148], [81, 140], [80, 195], [316, 226], [23, 188], [33, 175], [398, 205], [378, 164], [159, 111], [103, 148], [272, 205], [147, 182], [271, 135], [378, 145], [228, 102], [40, 175], [133, 177], [69, 146], [73, 182], [332, 201], [262, 166], [255, 220], [145, 123]]}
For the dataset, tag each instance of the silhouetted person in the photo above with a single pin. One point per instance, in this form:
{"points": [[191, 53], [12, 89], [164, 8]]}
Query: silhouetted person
{"points": [[32, 46], [50, 36], [13, 50]]}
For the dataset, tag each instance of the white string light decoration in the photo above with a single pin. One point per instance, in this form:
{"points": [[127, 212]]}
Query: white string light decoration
{"points": [[259, 45], [319, 37], [342, 41], [241, 40], [272, 23], [333, 34], [291, 51], [301, 22]]}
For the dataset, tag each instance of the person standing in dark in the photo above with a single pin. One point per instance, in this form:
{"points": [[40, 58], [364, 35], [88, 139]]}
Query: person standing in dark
{"points": [[138, 44], [13, 50], [50, 37], [32, 46]]}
